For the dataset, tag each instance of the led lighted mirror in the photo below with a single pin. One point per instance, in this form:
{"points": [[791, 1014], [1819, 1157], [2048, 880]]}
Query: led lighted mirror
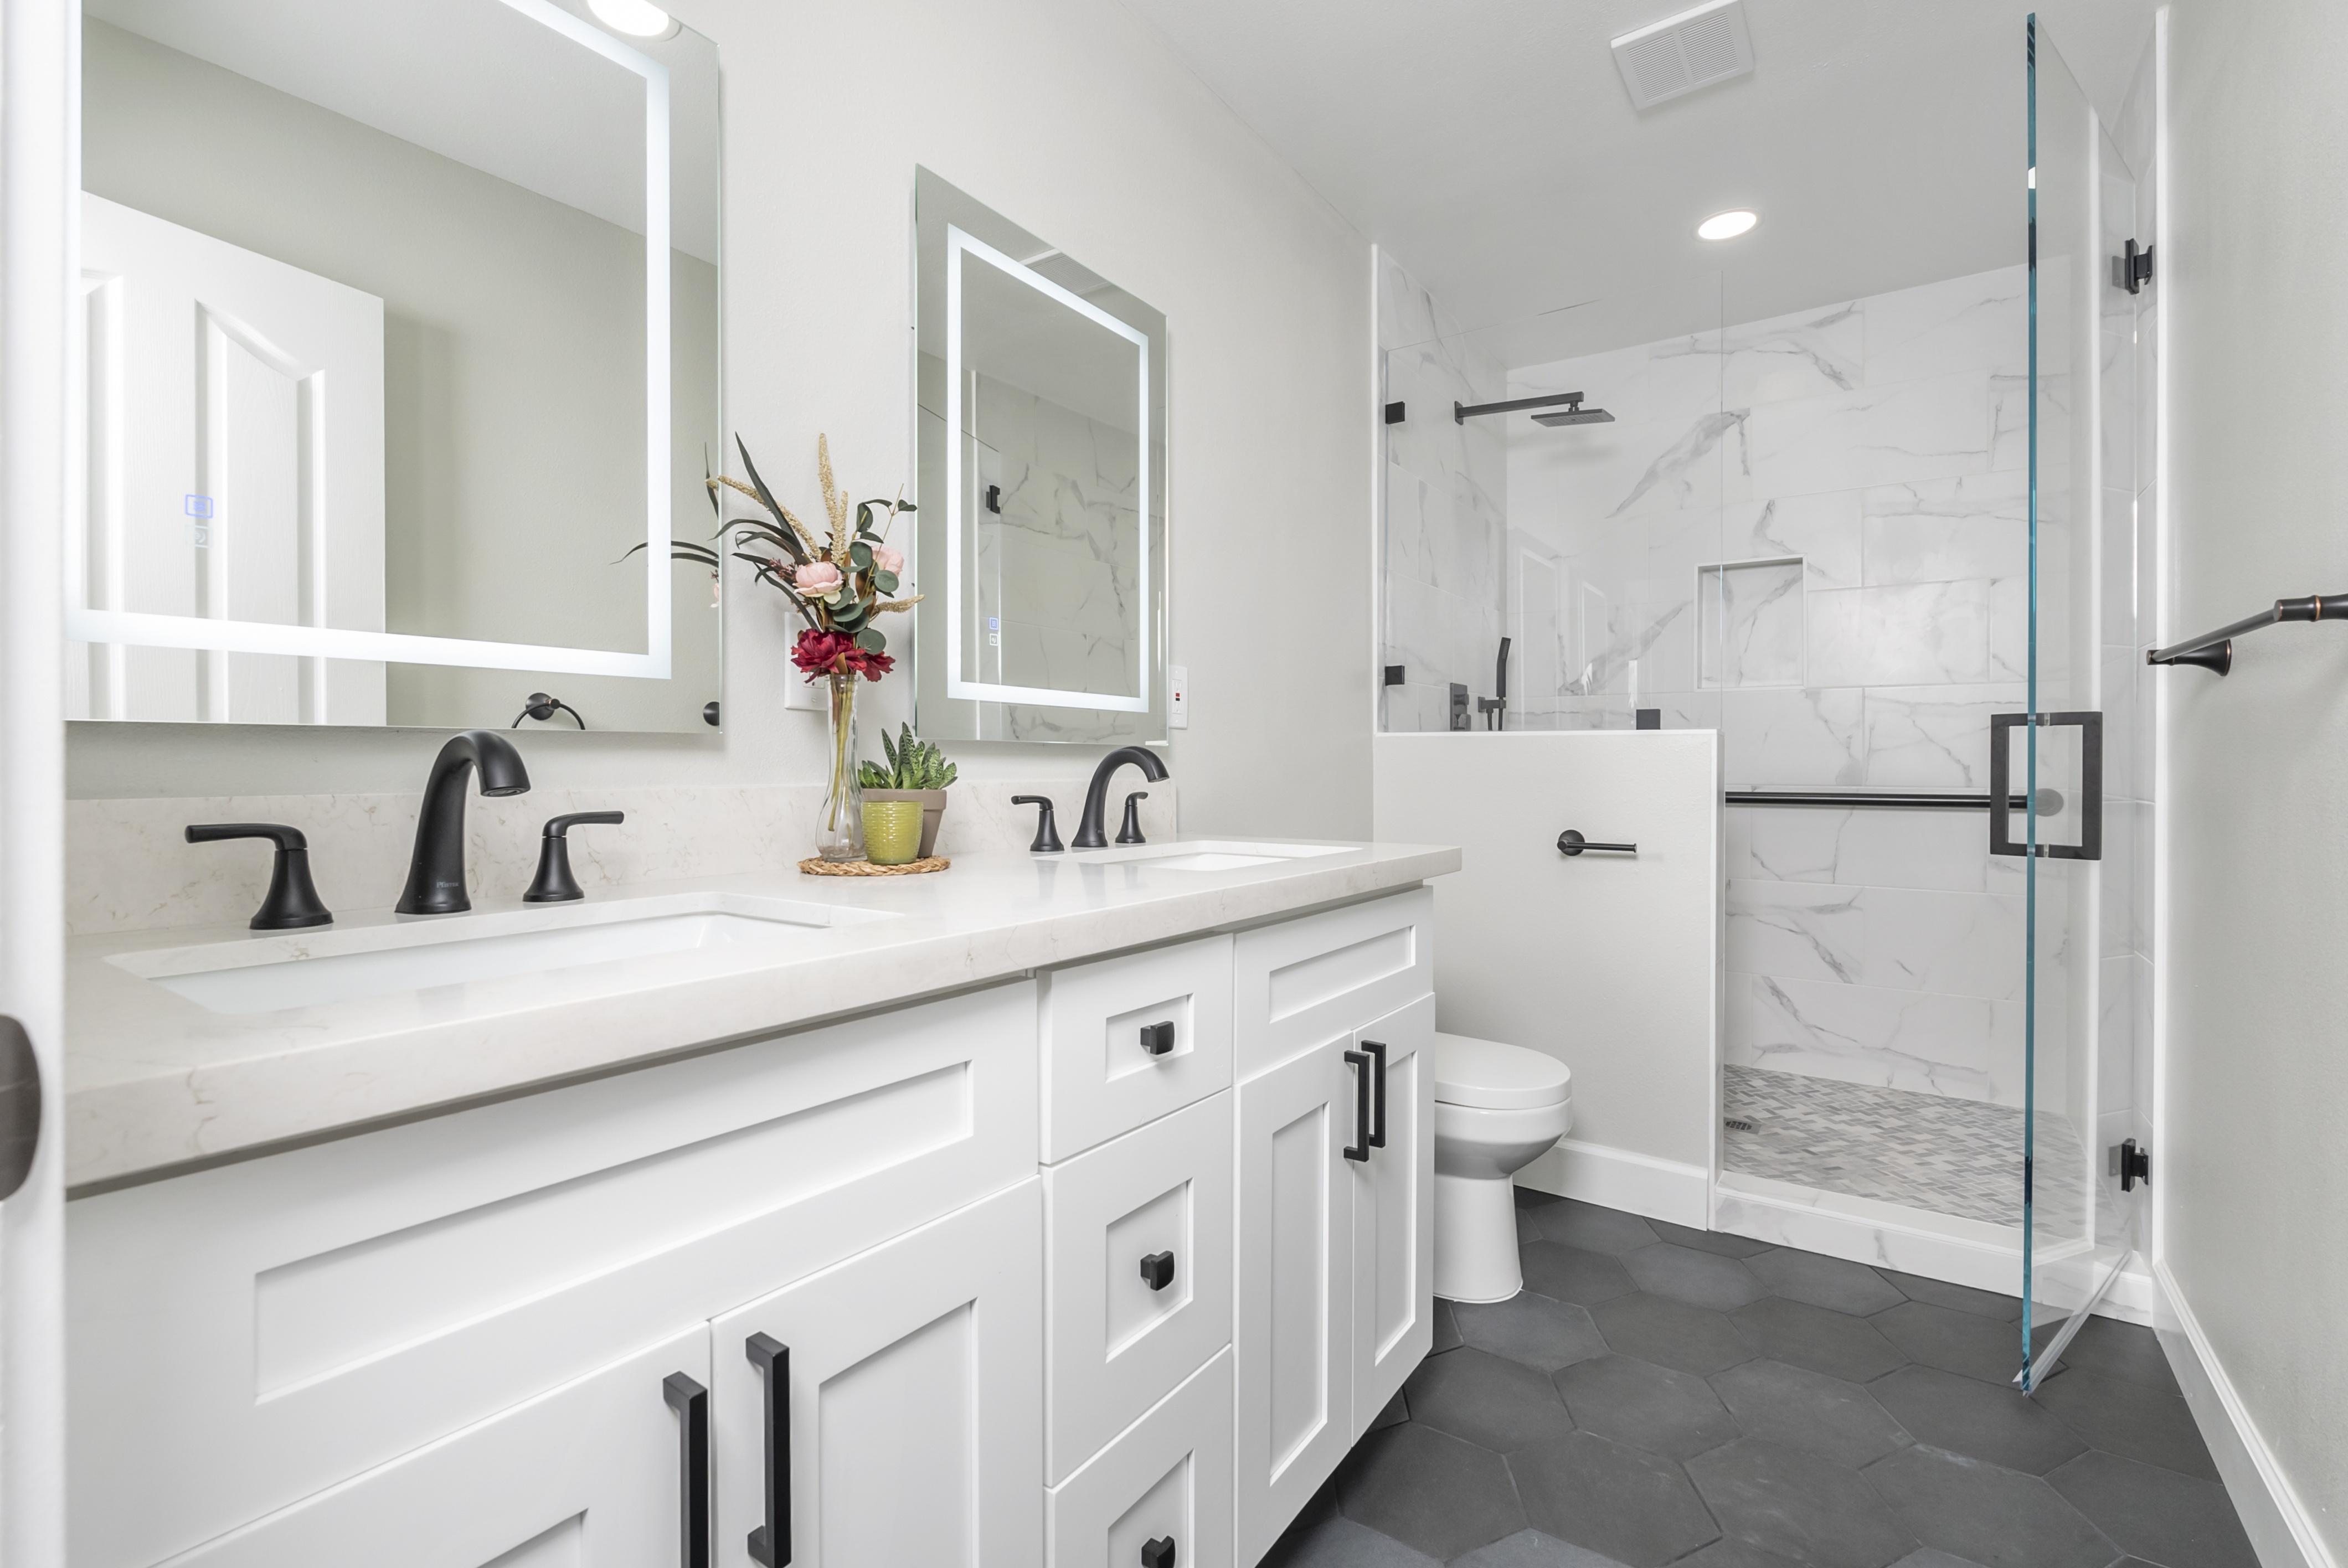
{"points": [[398, 366], [1042, 535]]}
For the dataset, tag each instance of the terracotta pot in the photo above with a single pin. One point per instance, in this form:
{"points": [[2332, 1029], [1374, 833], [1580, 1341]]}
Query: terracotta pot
{"points": [[933, 809]]}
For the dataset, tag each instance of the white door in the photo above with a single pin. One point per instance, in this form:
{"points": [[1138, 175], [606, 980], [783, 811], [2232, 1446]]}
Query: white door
{"points": [[1294, 1339], [231, 467], [1394, 1196], [609, 1471], [889, 1411]]}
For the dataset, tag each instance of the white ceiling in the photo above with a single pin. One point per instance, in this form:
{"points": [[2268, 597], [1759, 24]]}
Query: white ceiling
{"points": [[1490, 146]]}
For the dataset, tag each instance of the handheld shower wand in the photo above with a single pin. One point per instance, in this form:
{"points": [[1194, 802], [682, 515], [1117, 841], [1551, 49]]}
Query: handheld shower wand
{"points": [[1494, 708]]}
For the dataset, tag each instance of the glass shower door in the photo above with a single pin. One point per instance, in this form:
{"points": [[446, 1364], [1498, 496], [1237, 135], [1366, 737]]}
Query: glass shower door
{"points": [[2046, 762]]}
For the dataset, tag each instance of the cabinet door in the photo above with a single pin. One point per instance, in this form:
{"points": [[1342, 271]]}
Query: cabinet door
{"points": [[889, 1412], [609, 1471], [1119, 1339], [1167, 1477], [1393, 1230], [1293, 1342]]}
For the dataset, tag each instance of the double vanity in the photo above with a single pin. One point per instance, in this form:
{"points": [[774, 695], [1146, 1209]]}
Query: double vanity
{"points": [[1066, 1209]]}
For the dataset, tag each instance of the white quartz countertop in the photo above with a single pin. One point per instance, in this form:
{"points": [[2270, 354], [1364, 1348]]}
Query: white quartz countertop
{"points": [[154, 1080]]}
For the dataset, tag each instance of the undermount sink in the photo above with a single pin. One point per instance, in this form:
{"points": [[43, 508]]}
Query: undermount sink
{"points": [[1211, 854], [311, 968]]}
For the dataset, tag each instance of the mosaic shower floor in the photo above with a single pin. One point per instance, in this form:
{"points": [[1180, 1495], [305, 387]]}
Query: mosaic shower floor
{"points": [[1961, 1157]]}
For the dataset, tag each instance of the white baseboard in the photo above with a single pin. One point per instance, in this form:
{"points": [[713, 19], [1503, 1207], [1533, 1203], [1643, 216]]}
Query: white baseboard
{"points": [[2278, 1527], [1613, 1178]]}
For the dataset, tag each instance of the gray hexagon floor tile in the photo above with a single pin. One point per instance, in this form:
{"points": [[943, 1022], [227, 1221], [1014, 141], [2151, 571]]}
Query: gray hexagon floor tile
{"points": [[1446, 1328], [1572, 1274], [2130, 1419], [1926, 1557], [2127, 1351], [2155, 1513], [1669, 1412], [1532, 1549], [1489, 1401], [1821, 1281], [1698, 1278], [1798, 1505], [1591, 1228], [1832, 1418], [1612, 1499], [1955, 1298], [1981, 1420], [1962, 1342], [1986, 1514], [1530, 1328], [1834, 1343], [1342, 1544], [1429, 1490], [1727, 1553], [1671, 1333], [1721, 1242]]}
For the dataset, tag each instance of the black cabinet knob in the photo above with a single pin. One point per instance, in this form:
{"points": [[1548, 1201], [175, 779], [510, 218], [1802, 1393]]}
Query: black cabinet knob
{"points": [[1158, 1038], [1157, 1554], [1157, 1268]]}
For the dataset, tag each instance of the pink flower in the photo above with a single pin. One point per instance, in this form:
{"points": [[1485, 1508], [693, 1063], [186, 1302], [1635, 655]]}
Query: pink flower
{"points": [[888, 561], [817, 579]]}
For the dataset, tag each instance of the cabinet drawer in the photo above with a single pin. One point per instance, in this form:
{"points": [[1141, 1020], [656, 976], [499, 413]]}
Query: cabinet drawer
{"points": [[1168, 1475], [1304, 983], [1099, 1077], [246, 1335], [1117, 1344]]}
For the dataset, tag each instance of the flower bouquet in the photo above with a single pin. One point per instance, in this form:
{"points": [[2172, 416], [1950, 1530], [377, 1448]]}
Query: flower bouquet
{"points": [[840, 587]]}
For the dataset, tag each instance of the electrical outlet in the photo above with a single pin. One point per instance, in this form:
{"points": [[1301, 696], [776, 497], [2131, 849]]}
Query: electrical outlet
{"points": [[1177, 697]]}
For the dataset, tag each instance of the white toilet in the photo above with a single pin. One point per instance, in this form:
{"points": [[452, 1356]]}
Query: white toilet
{"points": [[1498, 1108]]}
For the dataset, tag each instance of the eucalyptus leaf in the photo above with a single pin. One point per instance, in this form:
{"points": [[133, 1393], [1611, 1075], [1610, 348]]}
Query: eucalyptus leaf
{"points": [[885, 582], [860, 556], [870, 641]]}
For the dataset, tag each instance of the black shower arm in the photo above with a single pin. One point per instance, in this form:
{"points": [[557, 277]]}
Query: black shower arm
{"points": [[1463, 412], [2214, 651]]}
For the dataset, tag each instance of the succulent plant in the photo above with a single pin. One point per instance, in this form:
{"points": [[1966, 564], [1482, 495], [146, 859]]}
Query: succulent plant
{"points": [[913, 764]]}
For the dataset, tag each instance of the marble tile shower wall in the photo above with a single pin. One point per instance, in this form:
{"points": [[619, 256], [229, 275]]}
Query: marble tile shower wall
{"points": [[1447, 515], [1882, 445]]}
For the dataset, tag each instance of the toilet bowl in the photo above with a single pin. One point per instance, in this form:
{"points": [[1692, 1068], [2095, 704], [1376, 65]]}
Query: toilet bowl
{"points": [[1498, 1108]]}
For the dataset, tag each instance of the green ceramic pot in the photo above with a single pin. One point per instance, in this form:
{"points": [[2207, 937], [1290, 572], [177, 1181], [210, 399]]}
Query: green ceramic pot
{"points": [[893, 832]]}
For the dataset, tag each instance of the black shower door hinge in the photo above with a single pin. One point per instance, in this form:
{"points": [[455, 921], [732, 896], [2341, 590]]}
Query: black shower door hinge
{"points": [[2136, 267]]}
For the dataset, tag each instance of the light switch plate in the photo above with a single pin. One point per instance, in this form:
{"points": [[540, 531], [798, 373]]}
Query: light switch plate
{"points": [[1177, 697]]}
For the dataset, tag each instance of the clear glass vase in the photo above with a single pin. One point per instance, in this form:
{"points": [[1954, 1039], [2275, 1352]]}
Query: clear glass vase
{"points": [[839, 829]]}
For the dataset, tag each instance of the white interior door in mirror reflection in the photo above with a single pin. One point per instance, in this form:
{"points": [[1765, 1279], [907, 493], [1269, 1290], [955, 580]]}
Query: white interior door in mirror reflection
{"points": [[1047, 491], [233, 471]]}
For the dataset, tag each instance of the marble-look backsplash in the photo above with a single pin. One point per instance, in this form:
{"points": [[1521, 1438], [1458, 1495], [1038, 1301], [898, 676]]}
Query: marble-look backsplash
{"points": [[129, 867]]}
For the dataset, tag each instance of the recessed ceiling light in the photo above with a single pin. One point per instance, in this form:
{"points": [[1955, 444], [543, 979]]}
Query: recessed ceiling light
{"points": [[1720, 225], [636, 18]]}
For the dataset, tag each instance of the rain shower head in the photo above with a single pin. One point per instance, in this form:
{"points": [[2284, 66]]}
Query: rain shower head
{"points": [[1572, 412]]}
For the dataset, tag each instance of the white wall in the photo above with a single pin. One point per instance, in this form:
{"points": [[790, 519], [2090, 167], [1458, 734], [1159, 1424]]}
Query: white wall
{"points": [[1129, 162], [2253, 1194]]}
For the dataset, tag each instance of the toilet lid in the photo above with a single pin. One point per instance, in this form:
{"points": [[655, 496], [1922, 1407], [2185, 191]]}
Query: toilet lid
{"points": [[1491, 1076]]}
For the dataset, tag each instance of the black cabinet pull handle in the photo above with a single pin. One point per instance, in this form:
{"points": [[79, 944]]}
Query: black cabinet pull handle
{"points": [[1378, 1120], [1359, 1149], [1157, 1268], [1157, 1554], [690, 1400], [1158, 1038], [770, 1544]]}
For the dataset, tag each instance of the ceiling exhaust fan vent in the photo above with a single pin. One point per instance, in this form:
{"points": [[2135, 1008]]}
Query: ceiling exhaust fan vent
{"points": [[1674, 56]]}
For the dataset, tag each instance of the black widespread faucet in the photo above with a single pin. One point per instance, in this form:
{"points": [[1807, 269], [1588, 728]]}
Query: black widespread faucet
{"points": [[1090, 833], [436, 875]]}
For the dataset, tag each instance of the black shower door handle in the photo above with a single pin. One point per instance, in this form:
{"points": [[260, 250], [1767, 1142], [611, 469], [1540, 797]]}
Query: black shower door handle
{"points": [[770, 1543], [1359, 1149], [1378, 1117], [690, 1400], [2090, 726]]}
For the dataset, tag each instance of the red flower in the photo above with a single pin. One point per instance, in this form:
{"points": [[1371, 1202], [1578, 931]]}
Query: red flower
{"points": [[836, 653]]}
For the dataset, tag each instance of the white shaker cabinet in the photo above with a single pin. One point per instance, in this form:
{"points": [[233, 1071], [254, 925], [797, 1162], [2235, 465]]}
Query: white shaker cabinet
{"points": [[601, 1472], [1393, 1200], [888, 1412]]}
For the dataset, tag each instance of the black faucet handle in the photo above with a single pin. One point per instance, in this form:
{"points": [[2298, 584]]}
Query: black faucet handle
{"points": [[1131, 831], [554, 884], [292, 901], [1047, 833]]}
